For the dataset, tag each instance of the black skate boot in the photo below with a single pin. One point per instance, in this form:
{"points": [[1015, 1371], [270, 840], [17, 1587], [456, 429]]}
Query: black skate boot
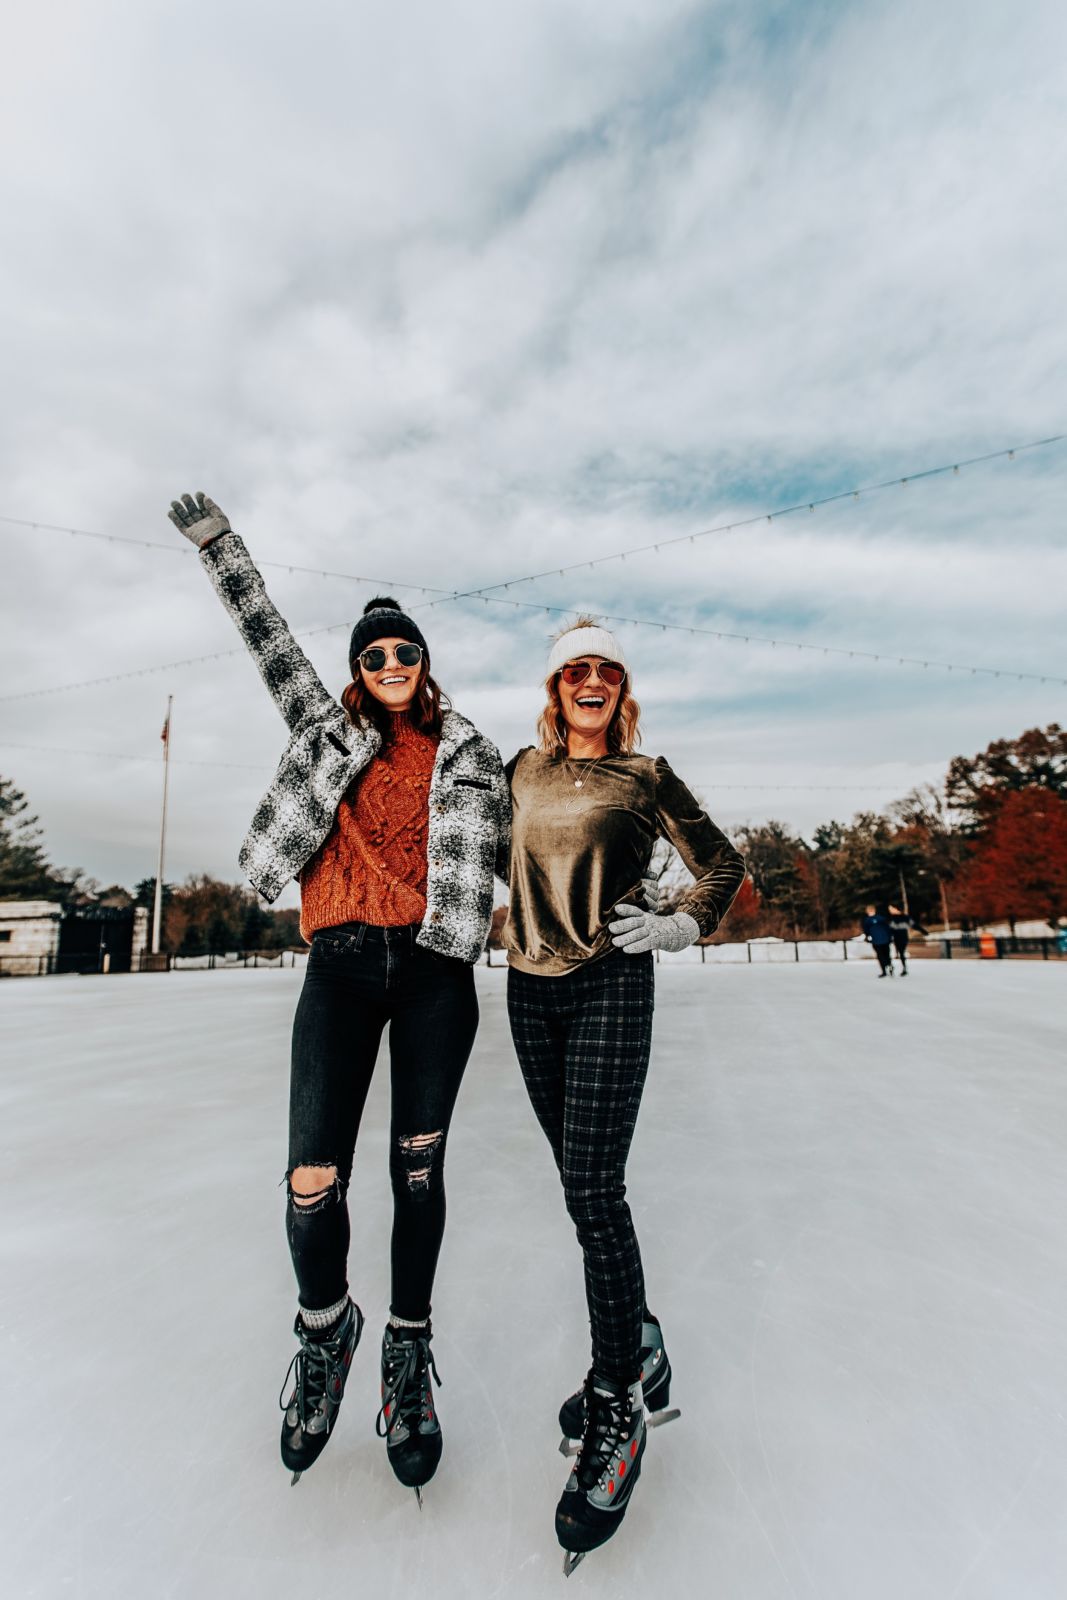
{"points": [[609, 1463], [321, 1370], [655, 1385], [407, 1420]]}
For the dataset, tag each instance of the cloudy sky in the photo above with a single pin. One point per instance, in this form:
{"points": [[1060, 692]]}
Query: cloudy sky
{"points": [[445, 295]]}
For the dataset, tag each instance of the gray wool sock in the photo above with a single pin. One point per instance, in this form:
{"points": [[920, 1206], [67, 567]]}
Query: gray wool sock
{"points": [[319, 1321]]}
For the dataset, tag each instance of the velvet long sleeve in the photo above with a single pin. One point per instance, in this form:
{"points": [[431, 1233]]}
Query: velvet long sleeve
{"points": [[582, 839], [718, 869]]}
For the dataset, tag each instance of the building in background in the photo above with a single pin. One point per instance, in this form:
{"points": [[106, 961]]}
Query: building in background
{"points": [[38, 937]]}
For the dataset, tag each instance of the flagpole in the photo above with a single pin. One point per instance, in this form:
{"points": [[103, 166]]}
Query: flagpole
{"points": [[158, 906]]}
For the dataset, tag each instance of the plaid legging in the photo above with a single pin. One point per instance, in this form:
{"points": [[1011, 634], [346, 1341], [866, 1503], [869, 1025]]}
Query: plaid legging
{"points": [[583, 1043]]}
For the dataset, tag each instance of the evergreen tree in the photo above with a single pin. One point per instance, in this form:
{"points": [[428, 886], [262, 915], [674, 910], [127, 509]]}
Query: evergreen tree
{"points": [[24, 870]]}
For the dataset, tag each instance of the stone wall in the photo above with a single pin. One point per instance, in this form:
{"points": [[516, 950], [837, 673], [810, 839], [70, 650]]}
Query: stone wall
{"points": [[29, 937]]}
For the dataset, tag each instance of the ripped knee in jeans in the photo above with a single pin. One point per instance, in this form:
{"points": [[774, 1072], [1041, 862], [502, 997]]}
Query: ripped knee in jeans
{"points": [[418, 1153], [313, 1186]]}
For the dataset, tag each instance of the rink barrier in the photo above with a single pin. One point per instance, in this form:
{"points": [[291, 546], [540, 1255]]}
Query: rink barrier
{"points": [[986, 946], [95, 965], [793, 951], [230, 961], [750, 953]]}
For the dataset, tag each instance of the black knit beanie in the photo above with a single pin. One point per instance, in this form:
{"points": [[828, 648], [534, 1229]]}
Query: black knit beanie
{"points": [[383, 619]]}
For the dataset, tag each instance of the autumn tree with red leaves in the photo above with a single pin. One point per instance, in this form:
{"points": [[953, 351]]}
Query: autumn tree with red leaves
{"points": [[748, 917], [1019, 866], [976, 785]]}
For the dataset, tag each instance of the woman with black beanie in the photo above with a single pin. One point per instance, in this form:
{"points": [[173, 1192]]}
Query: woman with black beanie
{"points": [[392, 810]]}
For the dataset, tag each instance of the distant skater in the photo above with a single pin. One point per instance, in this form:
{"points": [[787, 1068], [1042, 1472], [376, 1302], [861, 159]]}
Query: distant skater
{"points": [[900, 925], [876, 931], [392, 810], [581, 985]]}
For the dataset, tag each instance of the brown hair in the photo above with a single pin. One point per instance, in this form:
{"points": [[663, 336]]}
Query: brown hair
{"points": [[623, 733], [426, 710]]}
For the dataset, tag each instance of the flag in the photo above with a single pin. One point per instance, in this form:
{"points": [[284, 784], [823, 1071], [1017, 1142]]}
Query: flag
{"points": [[165, 735]]}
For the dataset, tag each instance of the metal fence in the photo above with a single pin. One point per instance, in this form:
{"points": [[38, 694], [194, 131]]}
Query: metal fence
{"points": [[97, 963], [750, 953], [221, 963]]}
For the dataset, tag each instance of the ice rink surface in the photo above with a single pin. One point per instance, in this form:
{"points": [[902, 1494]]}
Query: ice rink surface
{"points": [[850, 1196]]}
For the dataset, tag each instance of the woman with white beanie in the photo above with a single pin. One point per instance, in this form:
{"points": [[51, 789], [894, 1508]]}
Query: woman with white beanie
{"points": [[586, 813]]}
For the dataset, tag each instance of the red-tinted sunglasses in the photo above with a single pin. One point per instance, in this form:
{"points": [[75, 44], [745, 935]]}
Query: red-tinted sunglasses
{"points": [[611, 672]]}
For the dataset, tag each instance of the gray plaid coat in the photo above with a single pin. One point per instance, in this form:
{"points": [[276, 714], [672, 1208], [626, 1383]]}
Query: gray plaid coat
{"points": [[470, 808]]}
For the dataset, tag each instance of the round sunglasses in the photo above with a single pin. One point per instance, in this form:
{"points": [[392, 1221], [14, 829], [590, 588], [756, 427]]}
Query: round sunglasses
{"points": [[373, 659], [611, 672]]}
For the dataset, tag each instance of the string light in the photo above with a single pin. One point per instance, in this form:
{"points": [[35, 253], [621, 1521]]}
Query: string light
{"points": [[487, 592], [186, 549], [117, 755], [619, 555], [780, 511], [601, 616], [163, 666], [785, 644]]}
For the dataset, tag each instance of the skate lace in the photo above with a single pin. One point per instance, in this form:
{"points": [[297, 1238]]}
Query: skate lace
{"points": [[405, 1375], [314, 1366], [607, 1417]]}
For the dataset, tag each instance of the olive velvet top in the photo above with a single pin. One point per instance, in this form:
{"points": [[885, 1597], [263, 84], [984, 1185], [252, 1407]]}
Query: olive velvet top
{"points": [[578, 852]]}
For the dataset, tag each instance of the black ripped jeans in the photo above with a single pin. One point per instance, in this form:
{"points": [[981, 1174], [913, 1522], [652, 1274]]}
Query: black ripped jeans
{"points": [[359, 978]]}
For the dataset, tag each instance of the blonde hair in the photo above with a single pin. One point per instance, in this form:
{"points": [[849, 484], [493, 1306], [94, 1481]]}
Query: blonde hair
{"points": [[623, 733]]}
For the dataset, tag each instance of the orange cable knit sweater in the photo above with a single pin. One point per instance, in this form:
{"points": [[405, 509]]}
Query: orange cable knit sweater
{"points": [[372, 865]]}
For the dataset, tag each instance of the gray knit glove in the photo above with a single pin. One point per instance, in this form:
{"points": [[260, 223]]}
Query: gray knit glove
{"points": [[200, 520], [637, 931], [651, 893]]}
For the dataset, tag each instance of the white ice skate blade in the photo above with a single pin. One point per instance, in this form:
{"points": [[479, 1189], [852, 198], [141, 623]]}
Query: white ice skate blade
{"points": [[572, 1559], [656, 1419]]}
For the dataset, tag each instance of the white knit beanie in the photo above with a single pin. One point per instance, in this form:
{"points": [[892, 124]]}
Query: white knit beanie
{"points": [[585, 642]]}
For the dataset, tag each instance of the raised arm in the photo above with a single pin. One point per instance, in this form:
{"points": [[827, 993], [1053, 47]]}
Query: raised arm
{"points": [[295, 686]]}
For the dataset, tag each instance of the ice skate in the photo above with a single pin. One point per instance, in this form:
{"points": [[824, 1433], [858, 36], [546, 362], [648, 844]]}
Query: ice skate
{"points": [[602, 1479], [407, 1420], [320, 1369], [655, 1386]]}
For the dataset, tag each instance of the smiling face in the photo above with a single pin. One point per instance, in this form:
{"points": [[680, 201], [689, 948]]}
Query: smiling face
{"points": [[589, 706], [394, 685]]}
